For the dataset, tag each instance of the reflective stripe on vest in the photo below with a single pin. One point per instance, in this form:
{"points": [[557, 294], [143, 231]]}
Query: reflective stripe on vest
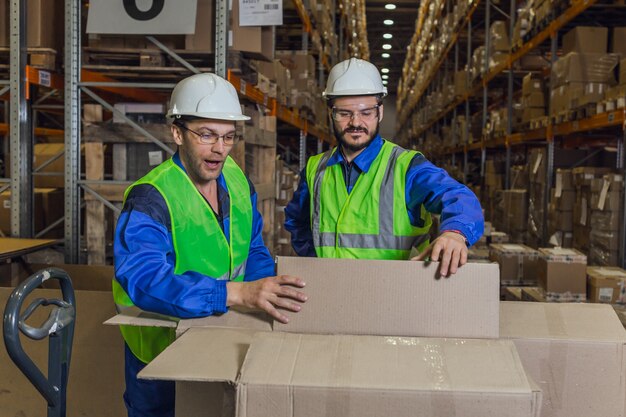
{"points": [[386, 238]]}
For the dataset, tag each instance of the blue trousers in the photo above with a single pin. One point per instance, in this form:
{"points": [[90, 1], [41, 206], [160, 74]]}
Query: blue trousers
{"points": [[146, 398]]}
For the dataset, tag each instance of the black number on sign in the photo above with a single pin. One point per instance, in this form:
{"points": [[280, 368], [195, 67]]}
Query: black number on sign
{"points": [[133, 11]]}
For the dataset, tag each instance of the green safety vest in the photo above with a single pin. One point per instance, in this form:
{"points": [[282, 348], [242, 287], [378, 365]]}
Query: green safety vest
{"points": [[372, 221], [199, 243]]}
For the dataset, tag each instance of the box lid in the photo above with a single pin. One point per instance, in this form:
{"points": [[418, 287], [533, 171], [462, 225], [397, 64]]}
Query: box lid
{"points": [[394, 298], [560, 321], [512, 248], [559, 254], [605, 272]]}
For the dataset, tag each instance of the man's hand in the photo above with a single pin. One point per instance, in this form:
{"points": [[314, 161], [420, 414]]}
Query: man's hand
{"points": [[268, 294], [450, 249]]}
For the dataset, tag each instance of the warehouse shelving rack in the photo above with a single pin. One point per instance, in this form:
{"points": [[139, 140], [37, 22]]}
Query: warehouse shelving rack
{"points": [[612, 120], [77, 83]]}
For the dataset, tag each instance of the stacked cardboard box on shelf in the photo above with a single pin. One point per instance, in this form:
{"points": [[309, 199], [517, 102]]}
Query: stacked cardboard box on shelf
{"points": [[561, 209], [499, 45], [585, 72], [518, 263], [286, 183], [605, 220], [512, 213], [606, 284], [537, 178], [562, 274], [493, 183], [583, 177], [533, 98]]}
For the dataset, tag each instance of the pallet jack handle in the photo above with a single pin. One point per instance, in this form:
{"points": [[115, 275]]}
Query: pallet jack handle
{"points": [[59, 327]]}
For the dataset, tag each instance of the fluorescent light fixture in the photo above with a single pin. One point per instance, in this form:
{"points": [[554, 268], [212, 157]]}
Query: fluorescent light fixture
{"points": [[388, 22], [386, 47], [390, 6], [385, 55], [385, 77], [387, 36], [384, 70], [385, 82]]}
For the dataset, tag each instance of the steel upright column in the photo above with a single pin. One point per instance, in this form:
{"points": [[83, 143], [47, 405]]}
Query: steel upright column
{"points": [[467, 105], [72, 131], [221, 37], [483, 150], [302, 153], [509, 102], [549, 148], [621, 166], [21, 142]]}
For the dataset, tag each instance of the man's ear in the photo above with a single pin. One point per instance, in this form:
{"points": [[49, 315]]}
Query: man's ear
{"points": [[380, 113], [177, 134]]}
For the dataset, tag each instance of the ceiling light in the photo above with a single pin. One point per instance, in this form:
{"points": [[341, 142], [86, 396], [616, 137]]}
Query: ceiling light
{"points": [[386, 46], [388, 22], [385, 55], [390, 6], [385, 82], [384, 70], [387, 36], [385, 77]]}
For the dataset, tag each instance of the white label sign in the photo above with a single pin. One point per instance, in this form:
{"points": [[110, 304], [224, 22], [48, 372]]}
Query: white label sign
{"points": [[260, 12], [155, 158], [142, 17]]}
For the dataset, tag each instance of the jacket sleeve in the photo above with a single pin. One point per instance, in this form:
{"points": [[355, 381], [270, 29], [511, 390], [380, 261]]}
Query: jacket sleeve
{"points": [[298, 219], [145, 260], [260, 263], [439, 193]]}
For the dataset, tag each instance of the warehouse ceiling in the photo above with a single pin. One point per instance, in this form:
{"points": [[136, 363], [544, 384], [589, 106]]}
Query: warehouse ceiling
{"points": [[403, 16]]}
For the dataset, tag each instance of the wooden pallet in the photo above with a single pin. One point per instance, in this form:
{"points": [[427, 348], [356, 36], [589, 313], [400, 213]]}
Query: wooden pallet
{"points": [[42, 58]]}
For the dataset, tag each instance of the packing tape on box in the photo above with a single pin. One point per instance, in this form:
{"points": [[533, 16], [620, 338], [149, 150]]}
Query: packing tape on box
{"points": [[603, 193]]}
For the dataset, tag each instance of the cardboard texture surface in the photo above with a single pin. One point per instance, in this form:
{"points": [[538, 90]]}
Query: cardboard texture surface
{"points": [[96, 380], [393, 298], [11, 247], [575, 352], [288, 375], [363, 375]]}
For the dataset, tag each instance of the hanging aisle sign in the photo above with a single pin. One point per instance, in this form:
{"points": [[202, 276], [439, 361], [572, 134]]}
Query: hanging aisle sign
{"points": [[260, 12], [145, 17]]}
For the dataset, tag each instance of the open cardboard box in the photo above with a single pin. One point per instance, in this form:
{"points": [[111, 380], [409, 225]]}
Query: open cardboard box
{"points": [[574, 351], [96, 380], [353, 350]]}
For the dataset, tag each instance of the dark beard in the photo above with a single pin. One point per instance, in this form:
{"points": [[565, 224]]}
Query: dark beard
{"points": [[351, 147]]}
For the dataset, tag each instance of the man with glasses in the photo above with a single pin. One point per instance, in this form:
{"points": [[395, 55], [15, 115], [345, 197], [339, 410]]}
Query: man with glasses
{"points": [[188, 242], [370, 199]]}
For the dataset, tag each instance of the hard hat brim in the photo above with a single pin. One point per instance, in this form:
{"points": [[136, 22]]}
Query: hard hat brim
{"points": [[214, 116]]}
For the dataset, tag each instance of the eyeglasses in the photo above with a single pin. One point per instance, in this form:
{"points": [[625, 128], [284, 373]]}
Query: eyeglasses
{"points": [[211, 138], [343, 115]]}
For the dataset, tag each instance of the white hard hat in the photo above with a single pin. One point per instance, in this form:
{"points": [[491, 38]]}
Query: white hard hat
{"points": [[205, 96], [354, 77]]}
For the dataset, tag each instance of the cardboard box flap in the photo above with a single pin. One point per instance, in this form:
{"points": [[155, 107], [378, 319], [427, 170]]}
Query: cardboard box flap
{"points": [[562, 321], [134, 316], [384, 363], [235, 317], [202, 354], [394, 298]]}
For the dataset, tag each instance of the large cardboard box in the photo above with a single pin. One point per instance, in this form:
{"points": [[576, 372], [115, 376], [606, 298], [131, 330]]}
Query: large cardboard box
{"points": [[282, 374], [622, 72], [203, 39], [585, 68], [618, 41], [96, 379], [47, 208], [44, 24], [532, 83], [518, 263], [574, 351], [606, 284], [562, 274], [586, 39], [258, 41]]}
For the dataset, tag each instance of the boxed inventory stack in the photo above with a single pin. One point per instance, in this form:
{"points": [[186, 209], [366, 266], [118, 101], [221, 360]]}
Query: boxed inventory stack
{"points": [[536, 196], [533, 98], [562, 274], [606, 206], [512, 213], [561, 212], [585, 72], [286, 182], [583, 177], [606, 284], [493, 183], [518, 263]]}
